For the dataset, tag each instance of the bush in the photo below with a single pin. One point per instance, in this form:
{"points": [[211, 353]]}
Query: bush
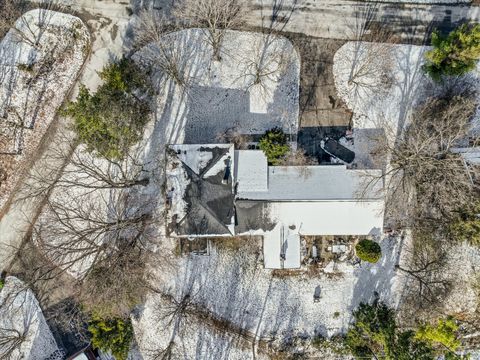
{"points": [[111, 335], [444, 334], [466, 225], [375, 332], [2, 284], [112, 119], [274, 144], [368, 250], [455, 54]]}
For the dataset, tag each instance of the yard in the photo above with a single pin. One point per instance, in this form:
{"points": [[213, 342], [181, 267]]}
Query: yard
{"points": [[40, 60]]}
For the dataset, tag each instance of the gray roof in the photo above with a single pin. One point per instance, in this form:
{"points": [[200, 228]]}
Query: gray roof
{"points": [[314, 183], [208, 197]]}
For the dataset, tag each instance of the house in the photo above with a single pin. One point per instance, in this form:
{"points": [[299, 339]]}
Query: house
{"points": [[215, 190]]}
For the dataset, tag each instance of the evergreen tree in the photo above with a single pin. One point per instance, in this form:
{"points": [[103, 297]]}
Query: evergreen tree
{"points": [[111, 335], [274, 145], [112, 119], [454, 54]]}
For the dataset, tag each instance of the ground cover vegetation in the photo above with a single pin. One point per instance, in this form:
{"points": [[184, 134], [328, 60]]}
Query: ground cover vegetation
{"points": [[111, 335]]}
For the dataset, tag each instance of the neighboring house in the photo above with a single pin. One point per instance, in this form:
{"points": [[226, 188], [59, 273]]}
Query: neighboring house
{"points": [[214, 190]]}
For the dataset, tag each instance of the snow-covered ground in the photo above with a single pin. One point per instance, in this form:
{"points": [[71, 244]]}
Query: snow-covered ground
{"points": [[39, 60], [235, 286], [219, 95], [22, 321], [389, 105], [383, 96]]}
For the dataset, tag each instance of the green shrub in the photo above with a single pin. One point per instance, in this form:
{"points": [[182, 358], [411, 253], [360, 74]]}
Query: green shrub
{"points": [[374, 334], [274, 144], [466, 225], [454, 54], [111, 335], [368, 250], [2, 284], [25, 67], [443, 334], [111, 120]]}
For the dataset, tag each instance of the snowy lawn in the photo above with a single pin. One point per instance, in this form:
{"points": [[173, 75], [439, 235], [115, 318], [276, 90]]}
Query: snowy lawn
{"points": [[383, 96], [39, 61], [214, 96], [233, 285], [21, 317], [377, 103]]}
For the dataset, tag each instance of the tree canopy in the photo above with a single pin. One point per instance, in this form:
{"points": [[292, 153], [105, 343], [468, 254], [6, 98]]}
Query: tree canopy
{"points": [[368, 250], [274, 144], [111, 120], [375, 334], [454, 54], [466, 225], [111, 335]]}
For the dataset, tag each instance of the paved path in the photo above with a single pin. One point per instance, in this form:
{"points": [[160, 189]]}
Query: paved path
{"points": [[339, 18]]}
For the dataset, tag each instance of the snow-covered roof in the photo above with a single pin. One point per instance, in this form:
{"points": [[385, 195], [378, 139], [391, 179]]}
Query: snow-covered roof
{"points": [[281, 248], [329, 217], [327, 182], [200, 189], [251, 171]]}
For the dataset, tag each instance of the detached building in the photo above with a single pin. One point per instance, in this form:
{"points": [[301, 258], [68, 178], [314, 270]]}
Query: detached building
{"points": [[214, 190]]}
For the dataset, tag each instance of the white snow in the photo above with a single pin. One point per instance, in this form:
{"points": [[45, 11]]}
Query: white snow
{"points": [[177, 182], [233, 286], [21, 315], [193, 156], [281, 248], [39, 60], [251, 171], [330, 217], [388, 106], [221, 95], [376, 106]]}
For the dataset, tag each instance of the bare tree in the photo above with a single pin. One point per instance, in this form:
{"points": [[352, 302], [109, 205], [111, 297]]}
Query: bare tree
{"points": [[216, 16], [165, 52], [234, 136], [424, 266], [425, 179], [150, 26], [371, 54], [116, 284], [30, 29], [79, 230], [269, 58], [102, 239]]}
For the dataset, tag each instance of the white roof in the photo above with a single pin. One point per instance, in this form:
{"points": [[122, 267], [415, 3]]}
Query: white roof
{"points": [[315, 218], [281, 241], [327, 182], [251, 171], [329, 217]]}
